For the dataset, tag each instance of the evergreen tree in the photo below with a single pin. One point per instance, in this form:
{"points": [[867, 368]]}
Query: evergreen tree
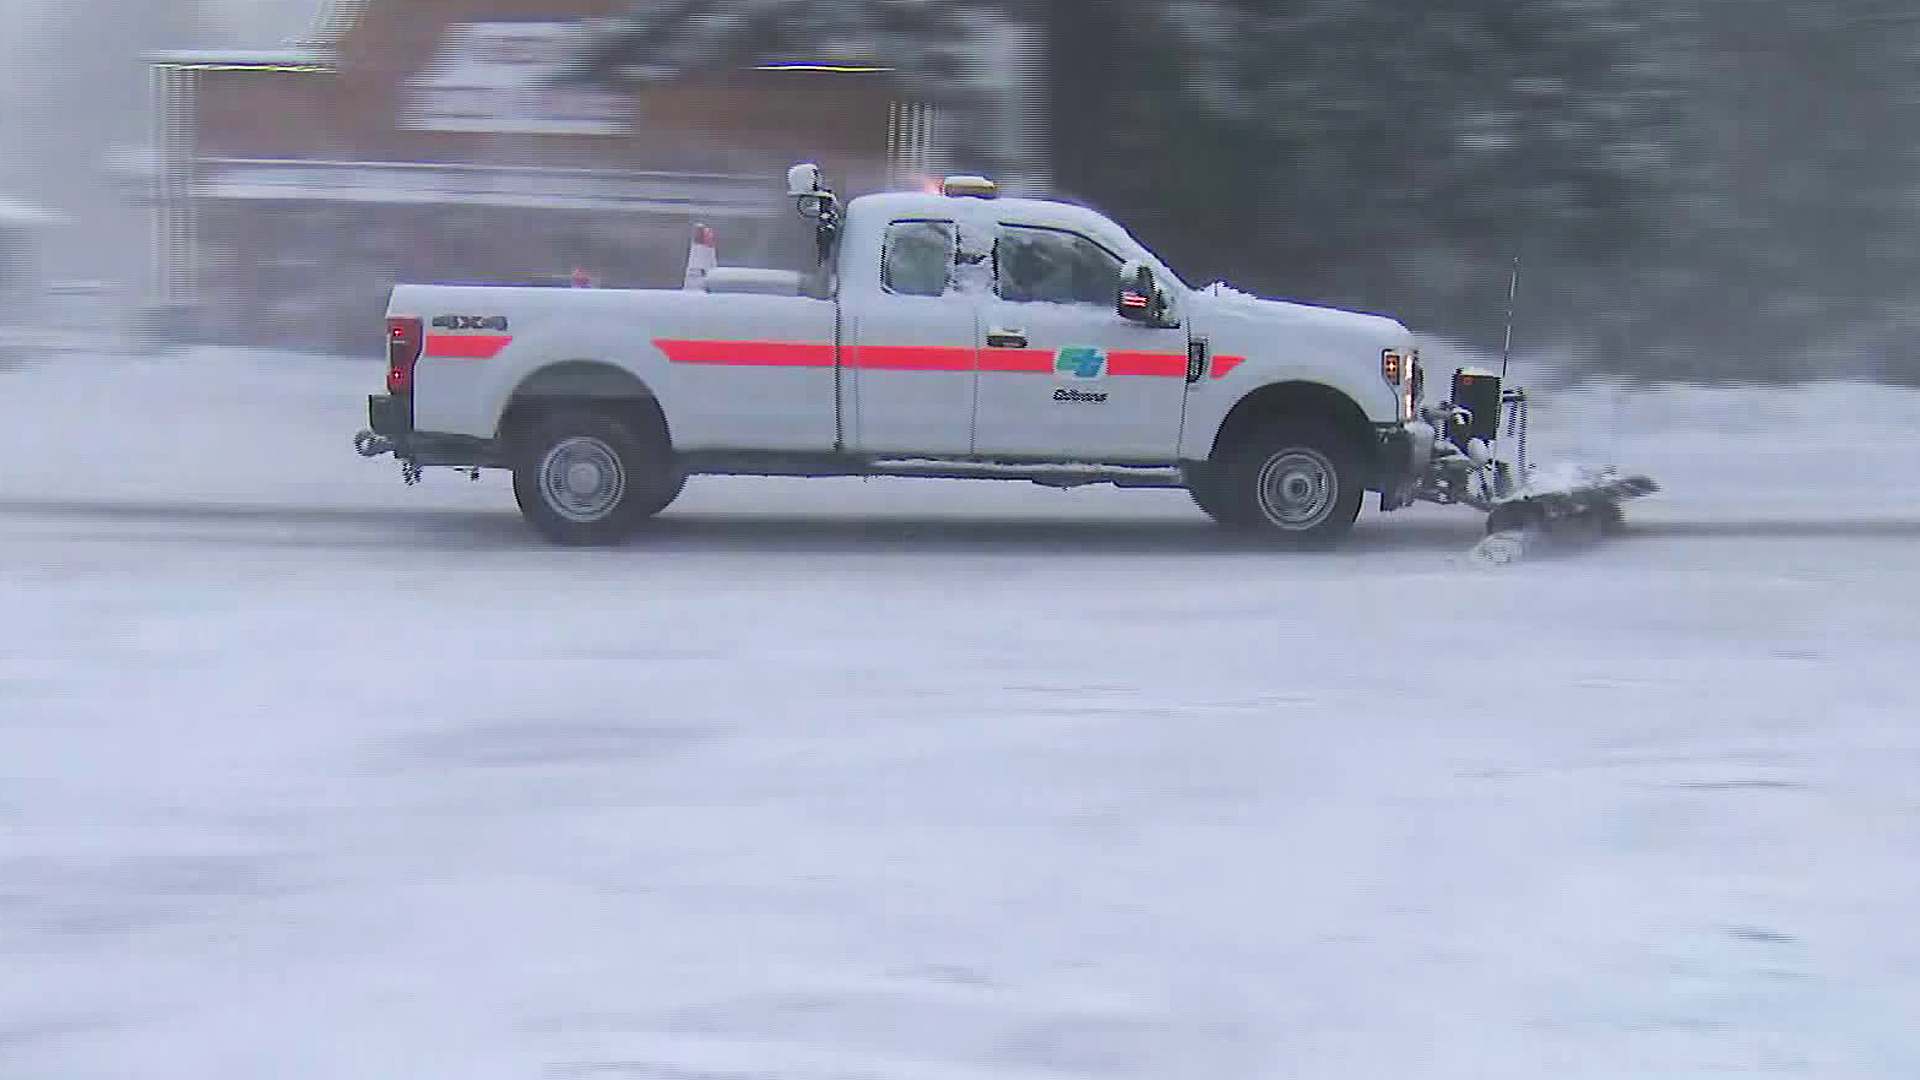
{"points": [[1697, 187]]}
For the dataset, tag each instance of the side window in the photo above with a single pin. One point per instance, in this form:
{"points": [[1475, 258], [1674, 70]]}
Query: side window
{"points": [[1054, 266], [917, 257]]}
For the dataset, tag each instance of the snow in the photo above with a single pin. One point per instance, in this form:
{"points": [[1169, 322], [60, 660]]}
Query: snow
{"points": [[417, 183], [307, 774], [1559, 477], [1226, 291], [240, 57], [17, 213], [1297, 311]]}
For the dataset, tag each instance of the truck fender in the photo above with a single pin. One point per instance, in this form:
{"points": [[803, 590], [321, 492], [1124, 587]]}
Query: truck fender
{"points": [[1266, 404], [576, 381]]}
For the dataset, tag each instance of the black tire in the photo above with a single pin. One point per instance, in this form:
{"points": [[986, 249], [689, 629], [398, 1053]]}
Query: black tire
{"points": [[1299, 480], [586, 478], [1203, 483]]}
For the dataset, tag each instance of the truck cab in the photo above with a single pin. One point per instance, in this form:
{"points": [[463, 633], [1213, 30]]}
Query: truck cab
{"points": [[955, 333]]}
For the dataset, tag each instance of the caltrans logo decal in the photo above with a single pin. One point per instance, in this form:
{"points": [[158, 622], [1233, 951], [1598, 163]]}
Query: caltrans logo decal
{"points": [[1083, 362]]}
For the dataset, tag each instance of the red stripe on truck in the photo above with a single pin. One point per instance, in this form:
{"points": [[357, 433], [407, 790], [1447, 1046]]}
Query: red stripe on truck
{"points": [[466, 346], [912, 358], [1152, 365], [810, 354], [1041, 362], [1021, 361], [916, 358], [748, 353]]}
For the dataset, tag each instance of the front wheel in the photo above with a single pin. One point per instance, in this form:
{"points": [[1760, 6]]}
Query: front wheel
{"points": [[1300, 481], [1210, 494], [585, 478]]}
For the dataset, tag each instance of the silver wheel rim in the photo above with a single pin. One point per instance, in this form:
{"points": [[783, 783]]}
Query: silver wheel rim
{"points": [[1298, 489], [582, 480]]}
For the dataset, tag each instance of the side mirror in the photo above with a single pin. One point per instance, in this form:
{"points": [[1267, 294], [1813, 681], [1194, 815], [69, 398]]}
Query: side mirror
{"points": [[1141, 299], [803, 180], [817, 203]]}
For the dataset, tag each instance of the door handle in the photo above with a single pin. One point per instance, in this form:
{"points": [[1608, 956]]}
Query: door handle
{"points": [[1006, 339]]}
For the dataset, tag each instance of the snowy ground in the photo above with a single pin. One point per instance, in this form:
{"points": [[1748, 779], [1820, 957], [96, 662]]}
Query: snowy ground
{"points": [[305, 775]]}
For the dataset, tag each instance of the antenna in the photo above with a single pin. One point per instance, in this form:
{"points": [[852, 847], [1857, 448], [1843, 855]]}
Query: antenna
{"points": [[1499, 484], [1506, 350]]}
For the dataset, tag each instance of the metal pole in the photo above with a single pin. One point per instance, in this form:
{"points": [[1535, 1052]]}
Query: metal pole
{"points": [[1506, 349], [893, 147], [189, 119], [1500, 402], [156, 220]]}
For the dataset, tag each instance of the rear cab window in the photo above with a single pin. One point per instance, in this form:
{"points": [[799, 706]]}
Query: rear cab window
{"points": [[917, 257]]}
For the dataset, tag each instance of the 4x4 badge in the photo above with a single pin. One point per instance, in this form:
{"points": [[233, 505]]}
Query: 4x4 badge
{"points": [[470, 322]]}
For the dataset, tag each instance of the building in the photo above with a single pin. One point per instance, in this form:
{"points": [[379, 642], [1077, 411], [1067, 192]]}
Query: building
{"points": [[429, 140], [24, 233]]}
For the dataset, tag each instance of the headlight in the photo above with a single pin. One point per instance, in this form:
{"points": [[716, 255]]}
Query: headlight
{"points": [[1393, 366], [1400, 370]]}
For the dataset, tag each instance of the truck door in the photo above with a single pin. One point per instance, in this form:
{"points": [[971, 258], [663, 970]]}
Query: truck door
{"points": [[1062, 375], [909, 360]]}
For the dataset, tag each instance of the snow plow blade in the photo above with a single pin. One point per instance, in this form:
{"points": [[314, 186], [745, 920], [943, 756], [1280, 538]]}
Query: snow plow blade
{"points": [[1590, 497], [1578, 512]]}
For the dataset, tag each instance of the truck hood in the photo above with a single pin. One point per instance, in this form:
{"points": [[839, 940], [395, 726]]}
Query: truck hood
{"points": [[1221, 299]]}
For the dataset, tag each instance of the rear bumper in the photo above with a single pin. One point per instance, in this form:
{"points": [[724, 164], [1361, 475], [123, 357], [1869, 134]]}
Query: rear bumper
{"points": [[390, 430], [1405, 452], [390, 416]]}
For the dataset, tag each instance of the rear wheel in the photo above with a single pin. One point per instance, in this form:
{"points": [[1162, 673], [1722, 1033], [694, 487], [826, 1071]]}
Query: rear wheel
{"points": [[587, 478], [1299, 480]]}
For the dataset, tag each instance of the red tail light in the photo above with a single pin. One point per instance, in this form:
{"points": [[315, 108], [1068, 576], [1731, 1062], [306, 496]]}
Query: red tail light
{"points": [[405, 338]]}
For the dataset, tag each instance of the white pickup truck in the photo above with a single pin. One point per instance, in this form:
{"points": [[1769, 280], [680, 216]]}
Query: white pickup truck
{"points": [[958, 334]]}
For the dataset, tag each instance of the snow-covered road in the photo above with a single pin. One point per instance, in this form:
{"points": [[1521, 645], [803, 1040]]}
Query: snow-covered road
{"points": [[307, 775]]}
